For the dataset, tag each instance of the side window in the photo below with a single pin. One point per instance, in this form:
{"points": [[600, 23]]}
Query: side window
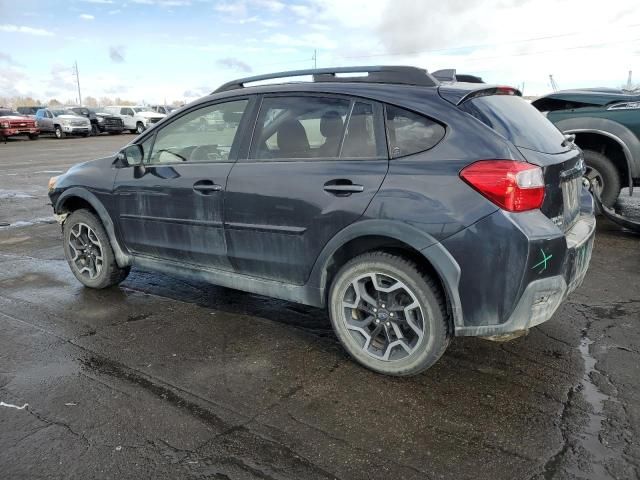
{"points": [[204, 135], [410, 133], [360, 138], [123, 111], [40, 113], [49, 114], [300, 127]]}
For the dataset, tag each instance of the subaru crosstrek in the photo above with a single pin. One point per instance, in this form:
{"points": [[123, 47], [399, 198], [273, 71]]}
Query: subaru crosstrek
{"points": [[414, 211]]}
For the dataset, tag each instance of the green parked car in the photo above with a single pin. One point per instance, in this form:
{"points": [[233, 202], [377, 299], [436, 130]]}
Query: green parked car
{"points": [[606, 125]]}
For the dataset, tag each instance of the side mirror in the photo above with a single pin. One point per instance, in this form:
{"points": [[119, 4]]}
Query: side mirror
{"points": [[131, 155]]}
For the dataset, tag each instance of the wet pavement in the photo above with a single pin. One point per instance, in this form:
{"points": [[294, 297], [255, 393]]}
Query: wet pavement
{"points": [[164, 377]]}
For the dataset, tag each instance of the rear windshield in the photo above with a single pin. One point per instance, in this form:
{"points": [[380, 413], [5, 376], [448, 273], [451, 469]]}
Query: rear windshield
{"points": [[517, 121]]}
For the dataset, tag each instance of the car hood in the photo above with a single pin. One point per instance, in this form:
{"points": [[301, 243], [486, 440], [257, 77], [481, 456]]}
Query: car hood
{"points": [[72, 117], [593, 97], [16, 117], [150, 114]]}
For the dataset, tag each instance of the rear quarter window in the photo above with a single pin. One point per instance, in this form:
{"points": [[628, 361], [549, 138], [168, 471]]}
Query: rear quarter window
{"points": [[517, 121], [409, 132]]}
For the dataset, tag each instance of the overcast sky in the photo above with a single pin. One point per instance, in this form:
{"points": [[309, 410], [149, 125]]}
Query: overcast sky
{"points": [[149, 50]]}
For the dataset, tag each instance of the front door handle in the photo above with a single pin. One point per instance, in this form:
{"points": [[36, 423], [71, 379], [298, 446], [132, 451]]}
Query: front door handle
{"points": [[206, 187], [342, 187]]}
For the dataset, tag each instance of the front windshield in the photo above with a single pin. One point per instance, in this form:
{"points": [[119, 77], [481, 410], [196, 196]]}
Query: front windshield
{"points": [[138, 109], [8, 113], [57, 113]]}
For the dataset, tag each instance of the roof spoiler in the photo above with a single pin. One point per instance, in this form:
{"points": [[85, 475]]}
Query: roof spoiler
{"points": [[397, 74], [450, 75]]}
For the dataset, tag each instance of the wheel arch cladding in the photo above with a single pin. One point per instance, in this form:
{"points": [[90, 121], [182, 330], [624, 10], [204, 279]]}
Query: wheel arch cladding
{"points": [[394, 237], [74, 198], [629, 143]]}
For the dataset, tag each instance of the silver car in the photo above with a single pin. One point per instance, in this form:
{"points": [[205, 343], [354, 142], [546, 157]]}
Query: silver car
{"points": [[62, 122]]}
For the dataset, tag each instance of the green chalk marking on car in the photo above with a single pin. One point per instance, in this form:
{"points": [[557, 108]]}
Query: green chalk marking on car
{"points": [[543, 263]]}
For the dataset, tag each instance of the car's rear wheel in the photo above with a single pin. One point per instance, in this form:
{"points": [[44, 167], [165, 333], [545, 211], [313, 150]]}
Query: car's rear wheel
{"points": [[88, 251], [603, 177], [139, 128], [57, 131], [388, 315]]}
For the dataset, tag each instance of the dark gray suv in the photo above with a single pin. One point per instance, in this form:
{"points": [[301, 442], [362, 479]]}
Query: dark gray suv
{"points": [[414, 211]]}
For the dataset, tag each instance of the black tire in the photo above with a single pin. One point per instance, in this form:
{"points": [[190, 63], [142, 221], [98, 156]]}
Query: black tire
{"points": [[424, 291], [140, 128], [109, 273], [57, 131], [603, 176], [94, 129], [33, 136]]}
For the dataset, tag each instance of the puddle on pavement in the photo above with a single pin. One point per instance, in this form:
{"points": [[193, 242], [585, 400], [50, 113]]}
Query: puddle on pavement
{"points": [[589, 437]]}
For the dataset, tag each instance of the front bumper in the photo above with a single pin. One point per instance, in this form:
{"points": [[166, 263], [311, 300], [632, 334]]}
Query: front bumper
{"points": [[76, 130], [14, 132]]}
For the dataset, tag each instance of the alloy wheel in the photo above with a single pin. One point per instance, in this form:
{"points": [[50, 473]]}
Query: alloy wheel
{"points": [[595, 180], [384, 316], [86, 250]]}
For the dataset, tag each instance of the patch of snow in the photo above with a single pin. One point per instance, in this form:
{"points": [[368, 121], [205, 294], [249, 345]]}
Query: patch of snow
{"points": [[9, 405]]}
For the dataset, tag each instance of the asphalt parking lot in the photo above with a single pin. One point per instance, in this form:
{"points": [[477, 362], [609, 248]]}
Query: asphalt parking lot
{"points": [[168, 378]]}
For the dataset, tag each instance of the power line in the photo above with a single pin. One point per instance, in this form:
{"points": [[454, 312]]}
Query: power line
{"points": [[471, 47]]}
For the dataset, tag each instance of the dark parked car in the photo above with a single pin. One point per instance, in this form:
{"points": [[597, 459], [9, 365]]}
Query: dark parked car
{"points": [[109, 123], [414, 211], [606, 125]]}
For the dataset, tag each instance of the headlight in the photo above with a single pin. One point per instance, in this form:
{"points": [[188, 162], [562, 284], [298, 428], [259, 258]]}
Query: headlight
{"points": [[100, 119], [65, 121], [4, 125], [625, 106], [52, 182]]}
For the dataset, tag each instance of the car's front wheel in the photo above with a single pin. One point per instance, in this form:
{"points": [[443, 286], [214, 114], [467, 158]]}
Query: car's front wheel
{"points": [[88, 251], [603, 176], [58, 132], [139, 128], [391, 317]]}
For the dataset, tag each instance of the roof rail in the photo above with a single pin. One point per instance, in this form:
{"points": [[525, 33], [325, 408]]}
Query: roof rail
{"points": [[450, 75], [375, 74]]}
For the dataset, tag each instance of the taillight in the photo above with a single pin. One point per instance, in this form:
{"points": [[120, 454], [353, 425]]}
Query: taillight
{"points": [[513, 186]]}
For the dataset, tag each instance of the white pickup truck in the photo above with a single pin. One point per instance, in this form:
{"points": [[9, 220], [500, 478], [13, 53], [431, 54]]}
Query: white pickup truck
{"points": [[136, 119]]}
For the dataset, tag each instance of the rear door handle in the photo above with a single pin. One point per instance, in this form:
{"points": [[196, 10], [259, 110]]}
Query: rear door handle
{"points": [[206, 187], [342, 187]]}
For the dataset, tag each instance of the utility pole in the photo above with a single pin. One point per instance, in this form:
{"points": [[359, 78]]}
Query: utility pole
{"points": [[75, 72], [315, 58], [554, 85], [629, 80]]}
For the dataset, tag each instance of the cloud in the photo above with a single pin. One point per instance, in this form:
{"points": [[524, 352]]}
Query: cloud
{"points": [[86, 16], [114, 12], [116, 53], [8, 59], [309, 40], [233, 63], [28, 30]]}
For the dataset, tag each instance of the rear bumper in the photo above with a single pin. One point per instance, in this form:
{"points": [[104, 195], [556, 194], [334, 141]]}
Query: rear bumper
{"points": [[522, 271]]}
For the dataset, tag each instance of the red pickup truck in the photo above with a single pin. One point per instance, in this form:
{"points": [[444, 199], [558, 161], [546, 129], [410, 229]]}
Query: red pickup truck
{"points": [[13, 124]]}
